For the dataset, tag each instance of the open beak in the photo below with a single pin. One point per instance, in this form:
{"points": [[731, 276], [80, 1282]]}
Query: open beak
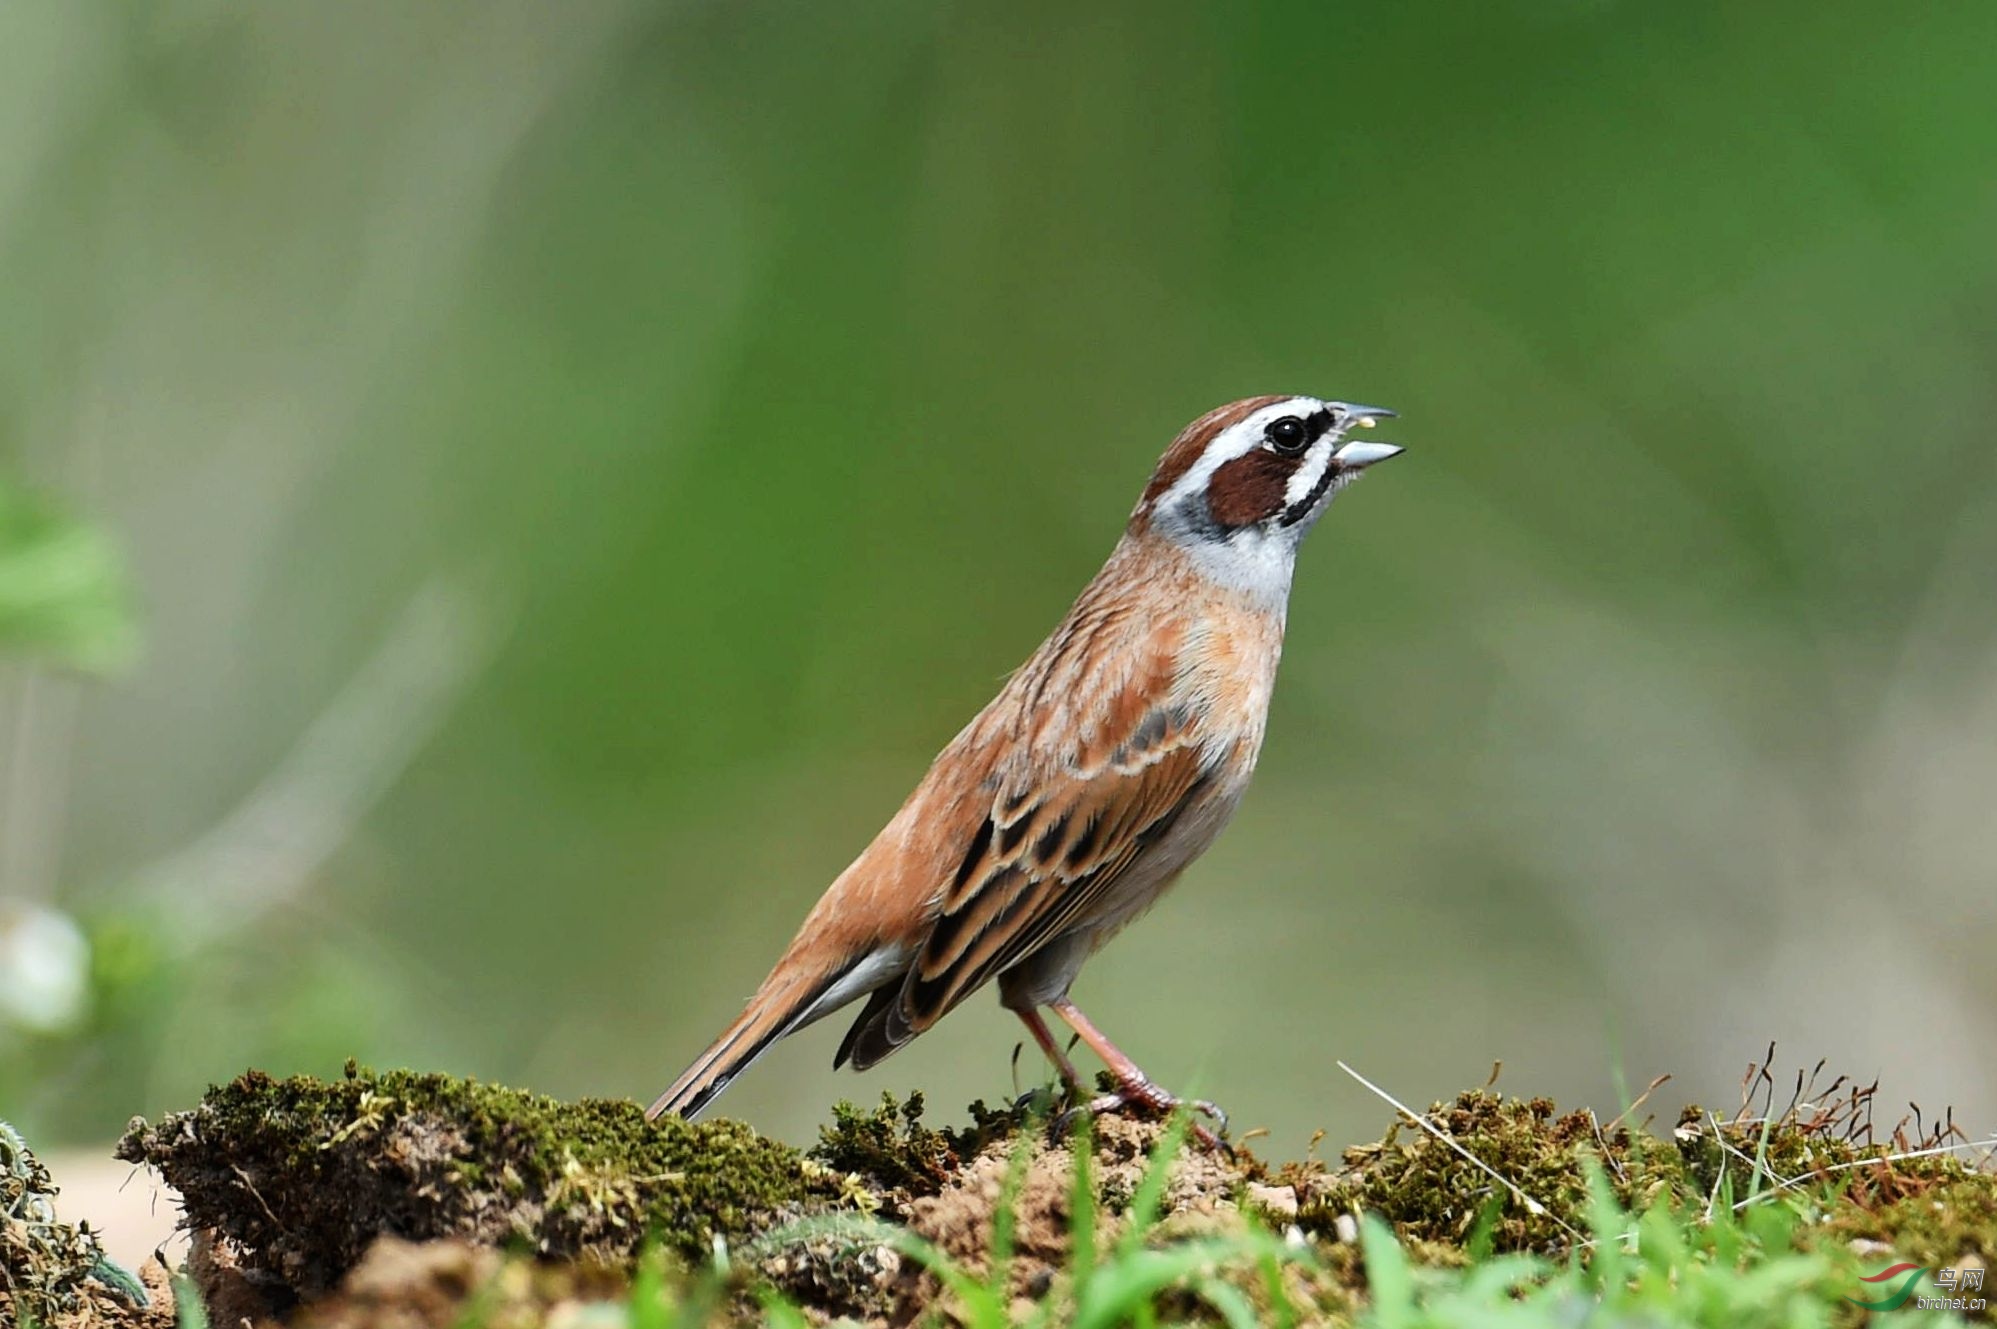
{"points": [[1355, 455], [1363, 416]]}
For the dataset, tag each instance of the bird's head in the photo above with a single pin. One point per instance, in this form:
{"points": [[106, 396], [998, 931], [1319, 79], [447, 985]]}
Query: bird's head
{"points": [[1240, 486]]}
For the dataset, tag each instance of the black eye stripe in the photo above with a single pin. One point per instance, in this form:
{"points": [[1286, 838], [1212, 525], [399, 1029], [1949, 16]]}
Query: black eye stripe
{"points": [[1291, 434]]}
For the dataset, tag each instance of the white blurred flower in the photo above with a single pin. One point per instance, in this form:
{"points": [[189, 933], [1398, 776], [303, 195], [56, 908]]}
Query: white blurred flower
{"points": [[44, 968]]}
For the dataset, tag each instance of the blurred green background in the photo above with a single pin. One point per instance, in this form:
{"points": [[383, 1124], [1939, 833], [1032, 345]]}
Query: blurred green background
{"points": [[572, 466]]}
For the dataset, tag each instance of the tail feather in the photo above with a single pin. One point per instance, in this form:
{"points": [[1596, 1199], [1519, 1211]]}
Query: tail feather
{"points": [[868, 1040], [781, 1007], [768, 1017]]}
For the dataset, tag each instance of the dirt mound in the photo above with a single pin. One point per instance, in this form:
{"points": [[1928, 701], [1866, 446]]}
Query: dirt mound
{"points": [[416, 1200], [295, 1179]]}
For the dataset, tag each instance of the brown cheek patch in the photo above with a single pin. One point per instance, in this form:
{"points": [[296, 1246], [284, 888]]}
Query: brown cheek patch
{"points": [[1250, 488], [1193, 440]]}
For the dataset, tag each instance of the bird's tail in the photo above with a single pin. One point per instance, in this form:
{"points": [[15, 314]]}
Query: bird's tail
{"points": [[778, 1008]]}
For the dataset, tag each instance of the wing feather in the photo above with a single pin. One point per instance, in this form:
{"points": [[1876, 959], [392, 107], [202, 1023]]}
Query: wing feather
{"points": [[1095, 750], [1035, 866]]}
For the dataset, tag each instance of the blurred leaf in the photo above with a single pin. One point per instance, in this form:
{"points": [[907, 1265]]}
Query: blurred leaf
{"points": [[63, 590]]}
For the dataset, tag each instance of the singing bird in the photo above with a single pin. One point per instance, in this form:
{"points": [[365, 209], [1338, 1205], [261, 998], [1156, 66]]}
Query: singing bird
{"points": [[1108, 762]]}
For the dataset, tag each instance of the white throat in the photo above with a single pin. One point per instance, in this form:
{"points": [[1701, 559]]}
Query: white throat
{"points": [[1255, 561]]}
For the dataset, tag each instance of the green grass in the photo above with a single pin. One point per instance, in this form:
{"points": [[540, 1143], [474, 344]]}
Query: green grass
{"points": [[1661, 1268]]}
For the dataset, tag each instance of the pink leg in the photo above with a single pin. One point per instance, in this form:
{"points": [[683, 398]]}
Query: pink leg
{"points": [[1045, 1038], [1134, 1087]]}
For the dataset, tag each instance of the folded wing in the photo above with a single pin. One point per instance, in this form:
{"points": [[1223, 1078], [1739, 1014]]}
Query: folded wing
{"points": [[1062, 829]]}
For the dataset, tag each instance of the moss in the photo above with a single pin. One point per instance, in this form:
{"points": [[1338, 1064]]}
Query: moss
{"points": [[51, 1272], [1435, 1197], [889, 1149], [1940, 1225], [294, 1179], [835, 1270], [301, 1175], [44, 1265], [1716, 1150], [1933, 1209], [1929, 1209], [888, 1146]]}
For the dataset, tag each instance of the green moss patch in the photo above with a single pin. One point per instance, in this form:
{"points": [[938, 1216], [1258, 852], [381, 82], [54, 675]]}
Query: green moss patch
{"points": [[1435, 1196], [1948, 1219], [1523, 1185], [301, 1176], [890, 1149]]}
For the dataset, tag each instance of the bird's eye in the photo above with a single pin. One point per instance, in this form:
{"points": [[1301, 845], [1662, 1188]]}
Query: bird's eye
{"points": [[1288, 435]]}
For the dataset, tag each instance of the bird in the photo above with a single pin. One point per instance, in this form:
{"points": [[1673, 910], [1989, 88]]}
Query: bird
{"points": [[1106, 764]]}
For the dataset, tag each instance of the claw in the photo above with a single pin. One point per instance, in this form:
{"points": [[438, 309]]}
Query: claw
{"points": [[1055, 1102], [1214, 1111], [1150, 1100], [1134, 1088]]}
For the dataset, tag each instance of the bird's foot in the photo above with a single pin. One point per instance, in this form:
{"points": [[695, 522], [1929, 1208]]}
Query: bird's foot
{"points": [[1145, 1098], [1051, 1101]]}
